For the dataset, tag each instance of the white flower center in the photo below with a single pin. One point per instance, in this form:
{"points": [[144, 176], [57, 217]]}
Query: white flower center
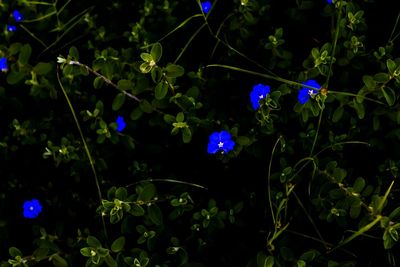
{"points": [[31, 208], [261, 96], [311, 92], [220, 144]]}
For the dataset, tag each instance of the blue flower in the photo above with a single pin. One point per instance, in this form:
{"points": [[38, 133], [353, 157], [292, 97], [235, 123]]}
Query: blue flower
{"points": [[11, 28], [206, 6], [259, 92], [3, 64], [32, 208], [220, 141], [329, 1], [17, 16], [305, 93], [120, 124]]}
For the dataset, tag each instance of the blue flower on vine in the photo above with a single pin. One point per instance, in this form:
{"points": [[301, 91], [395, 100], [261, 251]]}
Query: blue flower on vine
{"points": [[305, 93], [32, 208], [17, 16], [206, 6], [259, 92], [120, 124], [3, 64], [11, 28], [220, 141]]}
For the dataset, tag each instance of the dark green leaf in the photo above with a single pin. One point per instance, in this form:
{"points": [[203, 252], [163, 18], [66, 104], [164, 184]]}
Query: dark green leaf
{"points": [[136, 210], [146, 57], [174, 71], [42, 68], [25, 54], [186, 135], [93, 242], [156, 52], [119, 100], [369, 82], [338, 114], [14, 77], [145, 106], [359, 185], [355, 210], [161, 90], [118, 244], [391, 65], [180, 117], [124, 84], [389, 95], [243, 140], [136, 113], [381, 77], [58, 261], [147, 193], [73, 53], [169, 118], [14, 252], [155, 215], [395, 214], [98, 82], [121, 193]]}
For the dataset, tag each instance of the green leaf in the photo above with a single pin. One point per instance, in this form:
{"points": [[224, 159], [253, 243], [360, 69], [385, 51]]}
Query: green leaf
{"points": [[359, 107], [358, 185], [25, 54], [58, 261], [136, 113], [395, 214], [41, 253], [98, 82], [93, 242], [145, 67], [186, 135], [14, 77], [119, 100], [161, 90], [156, 52], [369, 82], [169, 118], [87, 251], [180, 117], [355, 209], [381, 77], [174, 71], [110, 261], [121, 193], [155, 215], [42, 68], [243, 140], [118, 244], [14, 252], [391, 65], [145, 106], [338, 114], [389, 95], [125, 84], [146, 57], [73, 53], [147, 193], [136, 210]]}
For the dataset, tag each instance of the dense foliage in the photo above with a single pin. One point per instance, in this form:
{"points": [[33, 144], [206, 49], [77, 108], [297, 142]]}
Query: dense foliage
{"points": [[199, 133]]}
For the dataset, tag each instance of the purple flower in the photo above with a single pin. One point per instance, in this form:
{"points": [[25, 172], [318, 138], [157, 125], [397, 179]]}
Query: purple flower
{"points": [[206, 6], [11, 28], [32, 208], [3, 64], [305, 93], [259, 92], [120, 124], [220, 141], [17, 16]]}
